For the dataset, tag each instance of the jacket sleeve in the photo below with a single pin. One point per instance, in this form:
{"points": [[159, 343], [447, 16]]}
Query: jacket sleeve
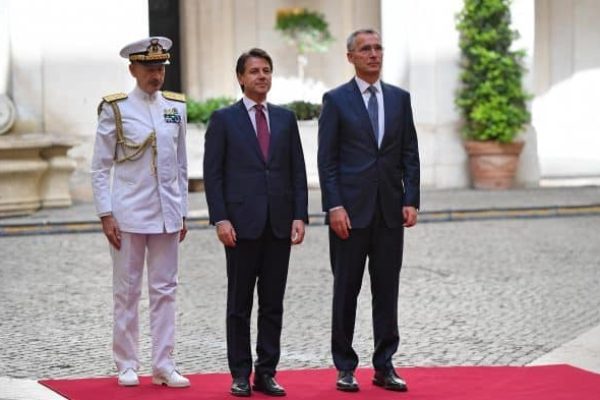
{"points": [[215, 147], [410, 159], [182, 163], [102, 160], [298, 174], [328, 154]]}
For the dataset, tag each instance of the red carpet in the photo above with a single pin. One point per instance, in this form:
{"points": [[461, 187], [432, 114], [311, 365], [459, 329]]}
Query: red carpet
{"points": [[554, 382]]}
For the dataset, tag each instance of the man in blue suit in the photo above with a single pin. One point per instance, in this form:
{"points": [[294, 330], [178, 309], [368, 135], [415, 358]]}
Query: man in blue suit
{"points": [[369, 172], [255, 184]]}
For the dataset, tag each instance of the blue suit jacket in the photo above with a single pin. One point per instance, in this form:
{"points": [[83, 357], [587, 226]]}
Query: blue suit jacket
{"points": [[353, 170], [240, 186]]}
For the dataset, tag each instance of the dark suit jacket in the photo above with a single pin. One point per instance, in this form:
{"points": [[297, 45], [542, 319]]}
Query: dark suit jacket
{"points": [[240, 186], [352, 170]]}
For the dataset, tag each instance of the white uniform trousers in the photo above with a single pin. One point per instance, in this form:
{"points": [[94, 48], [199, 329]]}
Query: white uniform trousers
{"points": [[128, 270]]}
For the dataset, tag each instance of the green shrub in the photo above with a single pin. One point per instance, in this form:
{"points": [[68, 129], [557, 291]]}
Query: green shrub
{"points": [[304, 110], [491, 99], [200, 111], [307, 30]]}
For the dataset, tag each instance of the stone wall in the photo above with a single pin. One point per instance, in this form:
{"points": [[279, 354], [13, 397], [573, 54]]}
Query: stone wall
{"points": [[63, 57]]}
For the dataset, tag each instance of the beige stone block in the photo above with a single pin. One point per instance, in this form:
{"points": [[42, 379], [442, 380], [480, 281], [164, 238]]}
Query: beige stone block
{"points": [[54, 188], [34, 172], [20, 174]]}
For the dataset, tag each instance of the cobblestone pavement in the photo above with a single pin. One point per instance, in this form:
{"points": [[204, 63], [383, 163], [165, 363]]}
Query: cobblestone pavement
{"points": [[500, 292]]}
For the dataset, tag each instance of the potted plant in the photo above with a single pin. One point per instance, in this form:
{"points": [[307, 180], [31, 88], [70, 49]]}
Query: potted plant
{"points": [[304, 110], [491, 98], [306, 30], [200, 111]]}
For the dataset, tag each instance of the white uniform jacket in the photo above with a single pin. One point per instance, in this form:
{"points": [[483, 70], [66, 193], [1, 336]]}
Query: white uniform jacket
{"points": [[141, 199]]}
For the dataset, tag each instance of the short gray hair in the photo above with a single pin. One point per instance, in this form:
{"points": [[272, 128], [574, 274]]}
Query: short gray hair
{"points": [[352, 38]]}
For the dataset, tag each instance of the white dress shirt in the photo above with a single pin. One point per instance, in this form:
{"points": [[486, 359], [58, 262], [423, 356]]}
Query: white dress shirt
{"points": [[249, 104]]}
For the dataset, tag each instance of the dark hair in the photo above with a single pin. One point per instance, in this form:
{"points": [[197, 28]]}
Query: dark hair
{"points": [[240, 66], [353, 35]]}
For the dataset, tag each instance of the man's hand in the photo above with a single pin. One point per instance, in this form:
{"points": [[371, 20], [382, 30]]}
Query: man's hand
{"points": [[110, 227], [410, 216], [183, 231], [226, 233], [297, 231], [340, 223]]}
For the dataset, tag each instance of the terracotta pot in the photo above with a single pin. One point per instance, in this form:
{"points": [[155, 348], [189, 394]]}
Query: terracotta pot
{"points": [[493, 165]]}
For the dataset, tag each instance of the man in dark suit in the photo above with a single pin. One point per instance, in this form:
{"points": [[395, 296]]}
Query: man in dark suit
{"points": [[369, 172], [255, 183]]}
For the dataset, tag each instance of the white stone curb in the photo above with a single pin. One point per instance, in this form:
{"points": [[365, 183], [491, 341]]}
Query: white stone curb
{"points": [[582, 352], [25, 389]]}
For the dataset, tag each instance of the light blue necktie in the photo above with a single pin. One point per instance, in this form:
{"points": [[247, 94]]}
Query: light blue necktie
{"points": [[373, 109]]}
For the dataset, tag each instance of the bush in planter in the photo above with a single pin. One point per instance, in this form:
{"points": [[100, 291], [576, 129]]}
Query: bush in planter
{"points": [[304, 110], [306, 30], [492, 99], [200, 111]]}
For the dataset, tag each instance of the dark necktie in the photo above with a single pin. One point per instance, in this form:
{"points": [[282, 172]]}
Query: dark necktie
{"points": [[262, 130], [373, 109]]}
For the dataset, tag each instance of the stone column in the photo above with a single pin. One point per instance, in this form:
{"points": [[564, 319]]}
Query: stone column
{"points": [[421, 55], [26, 39], [207, 34], [567, 78], [4, 47], [523, 20]]}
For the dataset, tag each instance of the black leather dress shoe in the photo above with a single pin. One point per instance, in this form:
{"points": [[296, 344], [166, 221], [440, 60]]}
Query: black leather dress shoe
{"points": [[346, 382], [240, 387], [268, 385], [389, 380]]}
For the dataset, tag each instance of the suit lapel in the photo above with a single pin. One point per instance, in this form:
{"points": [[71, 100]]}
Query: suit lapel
{"points": [[358, 107], [247, 132], [275, 129], [389, 107]]}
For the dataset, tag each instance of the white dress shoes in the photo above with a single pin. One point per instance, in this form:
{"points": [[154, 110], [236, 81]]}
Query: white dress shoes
{"points": [[174, 380], [128, 377]]}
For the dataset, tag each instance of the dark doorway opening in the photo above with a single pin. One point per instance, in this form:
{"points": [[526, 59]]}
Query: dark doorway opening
{"points": [[164, 21]]}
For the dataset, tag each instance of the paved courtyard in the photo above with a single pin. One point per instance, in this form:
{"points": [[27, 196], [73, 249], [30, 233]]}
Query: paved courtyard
{"points": [[492, 292]]}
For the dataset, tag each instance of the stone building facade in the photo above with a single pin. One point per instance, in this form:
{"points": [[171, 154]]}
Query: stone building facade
{"points": [[58, 58]]}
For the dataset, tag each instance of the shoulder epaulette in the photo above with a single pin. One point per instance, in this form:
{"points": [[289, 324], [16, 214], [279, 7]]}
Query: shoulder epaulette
{"points": [[111, 98], [174, 96], [115, 97]]}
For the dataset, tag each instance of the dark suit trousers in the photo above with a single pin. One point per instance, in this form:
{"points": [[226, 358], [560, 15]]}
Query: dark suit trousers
{"points": [[383, 246], [262, 262]]}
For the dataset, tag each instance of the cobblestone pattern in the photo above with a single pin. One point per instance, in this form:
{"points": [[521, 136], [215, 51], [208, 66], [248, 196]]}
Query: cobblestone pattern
{"points": [[471, 293]]}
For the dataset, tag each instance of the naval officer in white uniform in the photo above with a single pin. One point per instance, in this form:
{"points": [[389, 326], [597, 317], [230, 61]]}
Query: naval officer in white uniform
{"points": [[141, 138]]}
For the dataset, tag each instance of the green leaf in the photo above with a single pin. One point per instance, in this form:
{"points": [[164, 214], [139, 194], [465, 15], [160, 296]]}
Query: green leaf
{"points": [[306, 30], [200, 111], [491, 98]]}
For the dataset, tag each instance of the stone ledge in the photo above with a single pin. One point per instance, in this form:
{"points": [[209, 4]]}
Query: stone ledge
{"points": [[34, 172], [34, 141]]}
